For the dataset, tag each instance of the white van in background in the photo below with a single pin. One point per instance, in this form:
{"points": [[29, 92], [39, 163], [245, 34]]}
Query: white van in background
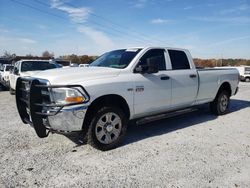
{"points": [[244, 73]]}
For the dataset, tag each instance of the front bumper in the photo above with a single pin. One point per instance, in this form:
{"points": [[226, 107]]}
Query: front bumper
{"points": [[67, 120], [36, 108]]}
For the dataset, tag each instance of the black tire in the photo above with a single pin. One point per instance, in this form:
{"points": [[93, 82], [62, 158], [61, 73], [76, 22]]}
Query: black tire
{"points": [[12, 91], [221, 103], [247, 79], [119, 130]]}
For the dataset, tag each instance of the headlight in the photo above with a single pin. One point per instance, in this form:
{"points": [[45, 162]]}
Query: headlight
{"points": [[68, 95]]}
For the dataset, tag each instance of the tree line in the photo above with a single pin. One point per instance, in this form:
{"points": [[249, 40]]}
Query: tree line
{"points": [[86, 59], [220, 62], [78, 59]]}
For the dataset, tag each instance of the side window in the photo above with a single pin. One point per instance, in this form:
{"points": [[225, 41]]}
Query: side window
{"points": [[178, 59], [155, 55], [247, 70]]}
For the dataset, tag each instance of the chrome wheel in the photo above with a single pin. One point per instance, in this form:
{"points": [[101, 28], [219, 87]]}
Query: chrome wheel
{"points": [[108, 128], [223, 103]]}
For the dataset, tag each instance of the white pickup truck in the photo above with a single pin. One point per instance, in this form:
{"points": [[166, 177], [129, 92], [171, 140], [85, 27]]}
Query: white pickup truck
{"points": [[244, 73], [4, 74], [121, 85], [27, 68]]}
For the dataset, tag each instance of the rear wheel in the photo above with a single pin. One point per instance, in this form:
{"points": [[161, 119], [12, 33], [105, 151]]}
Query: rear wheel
{"points": [[107, 128], [221, 103], [247, 79]]}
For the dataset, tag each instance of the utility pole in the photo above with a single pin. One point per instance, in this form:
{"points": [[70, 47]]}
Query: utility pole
{"points": [[221, 60]]}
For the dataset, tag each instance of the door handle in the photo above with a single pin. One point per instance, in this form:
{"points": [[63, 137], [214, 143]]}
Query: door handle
{"points": [[165, 78], [192, 75]]}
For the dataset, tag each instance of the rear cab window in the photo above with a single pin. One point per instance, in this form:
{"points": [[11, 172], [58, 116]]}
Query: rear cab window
{"points": [[179, 60]]}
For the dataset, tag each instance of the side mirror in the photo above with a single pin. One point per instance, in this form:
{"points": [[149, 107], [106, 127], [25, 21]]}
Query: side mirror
{"points": [[150, 67], [140, 69]]}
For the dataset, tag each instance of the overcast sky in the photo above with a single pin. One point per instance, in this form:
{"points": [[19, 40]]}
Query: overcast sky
{"points": [[209, 28]]}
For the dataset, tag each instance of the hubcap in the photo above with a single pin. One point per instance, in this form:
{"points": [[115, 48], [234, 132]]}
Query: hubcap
{"points": [[108, 128], [223, 103]]}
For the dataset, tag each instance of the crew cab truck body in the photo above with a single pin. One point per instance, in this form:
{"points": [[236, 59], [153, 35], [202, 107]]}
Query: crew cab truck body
{"points": [[26, 68], [121, 85]]}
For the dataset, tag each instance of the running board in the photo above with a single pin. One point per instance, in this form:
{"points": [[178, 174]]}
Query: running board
{"points": [[164, 116]]}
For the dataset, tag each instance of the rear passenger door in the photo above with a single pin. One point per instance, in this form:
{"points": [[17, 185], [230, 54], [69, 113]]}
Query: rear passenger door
{"points": [[184, 79]]}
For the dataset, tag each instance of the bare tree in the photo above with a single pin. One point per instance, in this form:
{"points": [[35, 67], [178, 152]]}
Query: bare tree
{"points": [[8, 55], [47, 54]]}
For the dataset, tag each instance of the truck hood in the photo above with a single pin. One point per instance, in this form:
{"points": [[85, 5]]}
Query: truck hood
{"points": [[30, 73], [73, 75]]}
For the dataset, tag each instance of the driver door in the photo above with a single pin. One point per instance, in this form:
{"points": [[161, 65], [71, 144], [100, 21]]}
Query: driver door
{"points": [[152, 92]]}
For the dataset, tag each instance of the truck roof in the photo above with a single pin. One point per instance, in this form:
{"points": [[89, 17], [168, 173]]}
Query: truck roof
{"points": [[34, 60], [146, 47]]}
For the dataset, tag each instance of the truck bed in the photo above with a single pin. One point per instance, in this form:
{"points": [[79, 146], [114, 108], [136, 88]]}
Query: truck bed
{"points": [[211, 78]]}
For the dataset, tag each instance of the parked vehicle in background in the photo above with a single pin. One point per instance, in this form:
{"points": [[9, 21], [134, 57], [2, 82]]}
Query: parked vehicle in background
{"points": [[74, 65], [5, 72], [140, 84], [1, 71], [83, 65], [244, 73], [63, 63], [4, 61], [26, 68]]}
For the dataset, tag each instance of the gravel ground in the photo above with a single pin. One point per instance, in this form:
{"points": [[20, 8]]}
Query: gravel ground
{"points": [[192, 150]]}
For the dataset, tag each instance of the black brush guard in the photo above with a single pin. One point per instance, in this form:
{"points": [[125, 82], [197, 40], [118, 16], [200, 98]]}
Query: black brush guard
{"points": [[34, 103]]}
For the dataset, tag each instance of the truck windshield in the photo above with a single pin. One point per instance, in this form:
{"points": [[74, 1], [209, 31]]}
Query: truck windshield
{"points": [[116, 59], [37, 65]]}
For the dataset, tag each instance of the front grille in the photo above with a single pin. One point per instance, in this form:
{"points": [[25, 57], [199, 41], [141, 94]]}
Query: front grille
{"points": [[22, 99], [35, 103], [30, 97]]}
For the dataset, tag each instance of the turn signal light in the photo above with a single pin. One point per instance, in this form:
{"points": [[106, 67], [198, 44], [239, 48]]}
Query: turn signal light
{"points": [[77, 99]]}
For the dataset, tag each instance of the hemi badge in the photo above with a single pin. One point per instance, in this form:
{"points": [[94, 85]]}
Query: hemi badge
{"points": [[130, 89]]}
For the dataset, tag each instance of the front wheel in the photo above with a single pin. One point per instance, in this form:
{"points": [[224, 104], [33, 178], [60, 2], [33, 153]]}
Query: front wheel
{"points": [[221, 103], [247, 79], [107, 128]]}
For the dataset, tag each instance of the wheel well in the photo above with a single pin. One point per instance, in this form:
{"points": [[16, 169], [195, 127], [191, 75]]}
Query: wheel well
{"points": [[226, 86], [107, 100]]}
